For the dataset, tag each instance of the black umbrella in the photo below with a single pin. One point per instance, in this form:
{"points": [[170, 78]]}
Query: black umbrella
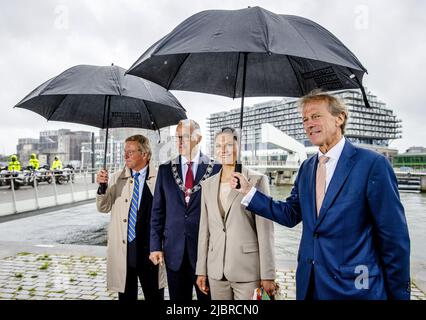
{"points": [[104, 97], [250, 52]]}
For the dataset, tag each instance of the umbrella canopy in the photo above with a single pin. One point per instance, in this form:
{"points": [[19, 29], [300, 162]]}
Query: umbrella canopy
{"points": [[84, 93], [104, 97], [250, 52], [282, 55]]}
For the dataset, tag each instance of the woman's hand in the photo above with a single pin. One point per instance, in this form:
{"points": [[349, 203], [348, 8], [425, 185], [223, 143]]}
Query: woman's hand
{"points": [[202, 284], [269, 286]]}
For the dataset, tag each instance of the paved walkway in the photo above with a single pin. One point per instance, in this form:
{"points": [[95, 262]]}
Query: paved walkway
{"points": [[64, 272]]}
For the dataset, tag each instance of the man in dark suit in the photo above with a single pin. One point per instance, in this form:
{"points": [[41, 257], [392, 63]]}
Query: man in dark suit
{"points": [[129, 199], [176, 212], [355, 242]]}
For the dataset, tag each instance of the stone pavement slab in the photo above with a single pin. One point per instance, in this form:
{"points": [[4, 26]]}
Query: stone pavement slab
{"points": [[64, 272]]}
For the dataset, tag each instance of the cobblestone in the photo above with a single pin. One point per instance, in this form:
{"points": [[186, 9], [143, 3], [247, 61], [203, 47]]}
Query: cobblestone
{"points": [[72, 277]]}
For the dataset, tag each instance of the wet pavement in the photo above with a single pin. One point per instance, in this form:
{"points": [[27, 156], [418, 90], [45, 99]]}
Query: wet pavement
{"points": [[42, 273], [47, 256]]}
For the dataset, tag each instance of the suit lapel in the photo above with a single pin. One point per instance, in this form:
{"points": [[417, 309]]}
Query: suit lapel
{"points": [[343, 168], [201, 170], [149, 180], [214, 190], [179, 171], [229, 202], [234, 194], [312, 189]]}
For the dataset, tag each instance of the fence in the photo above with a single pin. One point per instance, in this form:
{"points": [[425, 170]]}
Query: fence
{"points": [[35, 195]]}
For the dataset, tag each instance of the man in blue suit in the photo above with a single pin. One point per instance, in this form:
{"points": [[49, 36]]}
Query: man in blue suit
{"points": [[175, 214], [355, 242]]}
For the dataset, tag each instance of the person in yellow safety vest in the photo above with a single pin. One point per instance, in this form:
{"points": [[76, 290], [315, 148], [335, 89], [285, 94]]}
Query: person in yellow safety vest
{"points": [[57, 164], [34, 162], [14, 164]]}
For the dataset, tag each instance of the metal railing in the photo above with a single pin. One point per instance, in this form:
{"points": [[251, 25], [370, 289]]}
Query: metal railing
{"points": [[21, 193]]}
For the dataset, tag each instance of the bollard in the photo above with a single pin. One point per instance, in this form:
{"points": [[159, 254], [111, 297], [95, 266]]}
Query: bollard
{"points": [[72, 190], [87, 185], [36, 192], [55, 188], [12, 185]]}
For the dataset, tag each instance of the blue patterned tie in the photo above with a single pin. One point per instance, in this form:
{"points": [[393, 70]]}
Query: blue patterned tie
{"points": [[133, 213]]}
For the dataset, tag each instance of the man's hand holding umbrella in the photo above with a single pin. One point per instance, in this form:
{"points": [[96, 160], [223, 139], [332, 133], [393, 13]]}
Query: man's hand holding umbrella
{"points": [[102, 177]]}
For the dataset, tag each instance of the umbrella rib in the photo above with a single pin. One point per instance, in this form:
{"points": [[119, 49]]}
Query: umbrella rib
{"points": [[177, 71], [304, 40], [236, 75], [115, 78], [261, 15], [155, 125], [295, 74], [361, 87], [57, 107]]}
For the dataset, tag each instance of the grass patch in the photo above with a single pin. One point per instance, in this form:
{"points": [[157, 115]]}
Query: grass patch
{"points": [[31, 292], [19, 288], [45, 257], [23, 253], [19, 275], [72, 280], [58, 291], [34, 276], [44, 266], [92, 273]]}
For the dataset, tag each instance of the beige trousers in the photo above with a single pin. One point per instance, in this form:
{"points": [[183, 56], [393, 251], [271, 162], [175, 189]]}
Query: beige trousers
{"points": [[229, 290]]}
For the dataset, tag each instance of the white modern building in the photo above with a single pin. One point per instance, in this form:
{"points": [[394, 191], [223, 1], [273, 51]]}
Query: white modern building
{"points": [[373, 127]]}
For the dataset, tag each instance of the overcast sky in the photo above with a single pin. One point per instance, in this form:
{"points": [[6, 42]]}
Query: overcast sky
{"points": [[40, 39]]}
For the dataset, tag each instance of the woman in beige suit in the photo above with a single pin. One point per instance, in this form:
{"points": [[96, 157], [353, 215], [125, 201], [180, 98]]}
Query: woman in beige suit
{"points": [[235, 246]]}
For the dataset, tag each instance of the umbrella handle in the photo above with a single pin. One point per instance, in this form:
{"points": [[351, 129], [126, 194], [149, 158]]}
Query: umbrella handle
{"points": [[102, 188], [238, 168]]}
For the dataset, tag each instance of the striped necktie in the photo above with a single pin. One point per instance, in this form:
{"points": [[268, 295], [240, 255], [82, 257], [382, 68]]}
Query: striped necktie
{"points": [[133, 212]]}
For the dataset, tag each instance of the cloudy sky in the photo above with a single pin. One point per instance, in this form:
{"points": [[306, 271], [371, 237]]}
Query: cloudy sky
{"points": [[41, 39]]}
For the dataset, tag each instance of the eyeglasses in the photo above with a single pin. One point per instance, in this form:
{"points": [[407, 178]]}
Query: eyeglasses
{"points": [[183, 137], [130, 153]]}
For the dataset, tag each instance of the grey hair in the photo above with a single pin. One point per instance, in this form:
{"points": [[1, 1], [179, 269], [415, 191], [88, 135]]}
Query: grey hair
{"points": [[190, 123]]}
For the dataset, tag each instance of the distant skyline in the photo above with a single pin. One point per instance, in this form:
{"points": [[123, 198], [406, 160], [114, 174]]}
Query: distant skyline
{"points": [[41, 39]]}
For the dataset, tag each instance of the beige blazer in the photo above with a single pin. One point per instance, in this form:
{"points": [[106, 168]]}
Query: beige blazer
{"points": [[117, 201], [239, 246]]}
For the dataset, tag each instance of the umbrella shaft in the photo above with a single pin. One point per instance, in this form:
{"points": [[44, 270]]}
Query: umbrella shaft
{"points": [[242, 105], [107, 107]]}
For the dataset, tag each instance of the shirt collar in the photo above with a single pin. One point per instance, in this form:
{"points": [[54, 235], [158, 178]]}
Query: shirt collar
{"points": [[142, 172], [335, 152], [195, 160]]}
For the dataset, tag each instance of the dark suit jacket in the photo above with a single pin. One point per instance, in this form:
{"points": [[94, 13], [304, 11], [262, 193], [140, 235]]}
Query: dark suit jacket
{"points": [[138, 250], [174, 227], [361, 227]]}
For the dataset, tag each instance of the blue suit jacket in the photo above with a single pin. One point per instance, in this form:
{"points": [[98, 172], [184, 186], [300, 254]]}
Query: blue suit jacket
{"points": [[361, 227], [172, 223]]}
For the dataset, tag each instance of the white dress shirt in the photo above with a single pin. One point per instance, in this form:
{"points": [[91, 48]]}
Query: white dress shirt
{"points": [[141, 179], [334, 156], [184, 165]]}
